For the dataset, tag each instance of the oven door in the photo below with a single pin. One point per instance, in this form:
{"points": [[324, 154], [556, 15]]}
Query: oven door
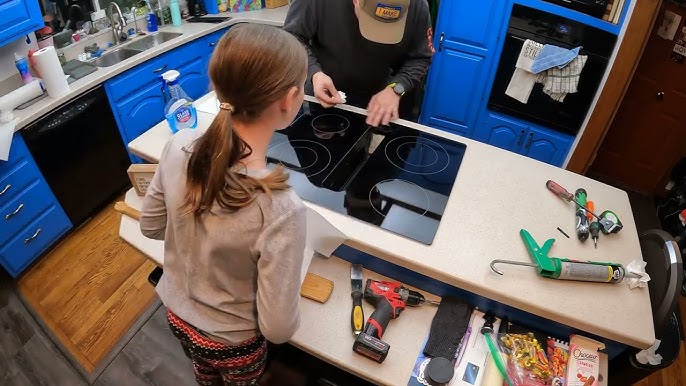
{"points": [[566, 116]]}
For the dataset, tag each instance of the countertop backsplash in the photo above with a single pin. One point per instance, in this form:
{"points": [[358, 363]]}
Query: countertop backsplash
{"points": [[7, 67]]}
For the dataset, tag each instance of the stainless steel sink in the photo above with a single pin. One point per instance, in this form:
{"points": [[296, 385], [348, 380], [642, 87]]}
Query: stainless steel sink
{"points": [[117, 55], [153, 40]]}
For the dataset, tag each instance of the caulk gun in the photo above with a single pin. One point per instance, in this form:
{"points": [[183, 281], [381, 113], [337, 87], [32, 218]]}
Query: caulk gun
{"points": [[566, 269]]}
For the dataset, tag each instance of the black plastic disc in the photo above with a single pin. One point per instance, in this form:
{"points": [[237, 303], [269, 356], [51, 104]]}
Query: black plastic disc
{"points": [[439, 370]]}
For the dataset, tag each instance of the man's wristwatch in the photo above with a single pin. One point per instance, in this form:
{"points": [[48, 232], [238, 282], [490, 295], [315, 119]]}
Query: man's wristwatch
{"points": [[398, 88]]}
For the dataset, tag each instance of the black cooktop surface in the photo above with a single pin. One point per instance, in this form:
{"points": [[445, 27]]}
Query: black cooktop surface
{"points": [[394, 177]]}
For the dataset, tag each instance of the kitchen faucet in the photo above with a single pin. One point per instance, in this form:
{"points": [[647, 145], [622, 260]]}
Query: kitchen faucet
{"points": [[117, 31]]}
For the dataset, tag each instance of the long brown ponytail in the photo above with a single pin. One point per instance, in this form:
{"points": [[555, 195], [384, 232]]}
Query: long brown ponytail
{"points": [[252, 67]]}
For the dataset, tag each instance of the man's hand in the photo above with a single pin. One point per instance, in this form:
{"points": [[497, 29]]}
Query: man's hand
{"points": [[324, 90], [383, 107]]}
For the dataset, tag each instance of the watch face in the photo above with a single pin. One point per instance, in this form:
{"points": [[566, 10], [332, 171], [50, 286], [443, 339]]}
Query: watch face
{"points": [[399, 89]]}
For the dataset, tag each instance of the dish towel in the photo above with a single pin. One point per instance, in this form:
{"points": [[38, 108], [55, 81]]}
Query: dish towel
{"points": [[523, 81], [557, 83], [553, 56]]}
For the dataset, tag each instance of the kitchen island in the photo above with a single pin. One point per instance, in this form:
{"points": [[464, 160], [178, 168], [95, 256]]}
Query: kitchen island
{"points": [[496, 193]]}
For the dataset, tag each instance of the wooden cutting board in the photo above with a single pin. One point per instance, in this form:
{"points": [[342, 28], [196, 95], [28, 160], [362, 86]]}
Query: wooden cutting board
{"points": [[316, 288]]}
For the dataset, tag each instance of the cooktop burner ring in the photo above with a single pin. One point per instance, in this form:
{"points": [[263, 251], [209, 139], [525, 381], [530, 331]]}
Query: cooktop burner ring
{"points": [[428, 149], [438, 150], [303, 144], [407, 184], [327, 132]]}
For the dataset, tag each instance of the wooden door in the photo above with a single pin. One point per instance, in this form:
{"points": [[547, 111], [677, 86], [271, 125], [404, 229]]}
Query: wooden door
{"points": [[648, 134]]}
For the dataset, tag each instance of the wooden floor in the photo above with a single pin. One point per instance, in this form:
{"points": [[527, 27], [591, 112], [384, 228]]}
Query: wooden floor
{"points": [[90, 289]]}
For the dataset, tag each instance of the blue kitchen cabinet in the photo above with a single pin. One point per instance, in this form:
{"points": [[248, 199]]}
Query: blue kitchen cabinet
{"points": [[141, 111], [545, 145], [136, 95], [19, 17], [502, 132], [32, 219], [466, 37], [194, 78], [209, 43]]}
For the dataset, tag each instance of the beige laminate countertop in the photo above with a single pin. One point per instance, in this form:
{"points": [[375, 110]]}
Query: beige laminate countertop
{"points": [[496, 194], [191, 31]]}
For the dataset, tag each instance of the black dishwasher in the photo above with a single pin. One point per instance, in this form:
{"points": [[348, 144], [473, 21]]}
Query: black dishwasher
{"points": [[79, 151]]}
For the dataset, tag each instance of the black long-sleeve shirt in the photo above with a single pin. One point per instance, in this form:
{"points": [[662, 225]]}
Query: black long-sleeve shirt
{"points": [[330, 31]]}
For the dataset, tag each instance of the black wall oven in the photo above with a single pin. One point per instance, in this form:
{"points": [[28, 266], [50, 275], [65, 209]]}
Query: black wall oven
{"points": [[546, 28]]}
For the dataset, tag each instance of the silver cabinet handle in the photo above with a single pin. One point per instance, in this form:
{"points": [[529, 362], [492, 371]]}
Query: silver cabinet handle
{"points": [[521, 138], [528, 143], [10, 215], [6, 189], [158, 70], [33, 237], [212, 44]]}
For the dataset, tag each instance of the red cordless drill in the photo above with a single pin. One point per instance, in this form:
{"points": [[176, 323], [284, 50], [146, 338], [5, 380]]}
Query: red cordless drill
{"points": [[389, 300]]}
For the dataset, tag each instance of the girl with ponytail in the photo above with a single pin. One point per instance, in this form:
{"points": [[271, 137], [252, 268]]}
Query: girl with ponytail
{"points": [[234, 231]]}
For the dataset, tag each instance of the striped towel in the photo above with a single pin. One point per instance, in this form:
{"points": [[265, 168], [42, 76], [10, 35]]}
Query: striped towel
{"points": [[557, 83]]}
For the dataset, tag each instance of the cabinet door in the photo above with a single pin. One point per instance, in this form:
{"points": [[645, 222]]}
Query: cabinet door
{"points": [[501, 132], [19, 17], [141, 111], [466, 37], [547, 146], [450, 102], [194, 79], [470, 25]]}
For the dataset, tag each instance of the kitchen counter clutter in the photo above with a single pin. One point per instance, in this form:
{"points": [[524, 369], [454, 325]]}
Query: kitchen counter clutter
{"points": [[495, 195], [189, 31]]}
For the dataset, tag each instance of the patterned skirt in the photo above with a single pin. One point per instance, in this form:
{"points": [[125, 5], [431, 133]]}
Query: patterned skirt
{"points": [[218, 364]]}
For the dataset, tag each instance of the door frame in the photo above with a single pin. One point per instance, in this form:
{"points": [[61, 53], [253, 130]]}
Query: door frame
{"points": [[637, 33]]}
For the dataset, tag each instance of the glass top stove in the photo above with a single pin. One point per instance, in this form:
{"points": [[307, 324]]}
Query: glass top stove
{"points": [[393, 176]]}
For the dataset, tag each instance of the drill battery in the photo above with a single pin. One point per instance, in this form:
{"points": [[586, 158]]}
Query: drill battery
{"points": [[371, 347]]}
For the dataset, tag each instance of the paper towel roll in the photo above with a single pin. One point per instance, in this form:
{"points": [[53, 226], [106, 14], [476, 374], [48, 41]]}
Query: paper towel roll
{"points": [[21, 95], [51, 72]]}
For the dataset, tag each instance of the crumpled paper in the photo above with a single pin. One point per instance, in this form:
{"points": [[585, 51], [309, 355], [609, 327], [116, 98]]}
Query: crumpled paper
{"points": [[343, 97], [649, 355], [638, 267]]}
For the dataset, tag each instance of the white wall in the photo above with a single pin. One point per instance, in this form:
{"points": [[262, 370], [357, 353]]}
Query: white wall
{"points": [[7, 67]]}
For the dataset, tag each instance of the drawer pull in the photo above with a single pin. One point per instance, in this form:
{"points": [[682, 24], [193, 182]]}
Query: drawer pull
{"points": [[212, 44], [10, 215], [33, 237], [6, 189], [158, 70]]}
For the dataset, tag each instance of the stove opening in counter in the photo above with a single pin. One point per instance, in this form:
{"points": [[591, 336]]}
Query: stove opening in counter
{"points": [[393, 177]]}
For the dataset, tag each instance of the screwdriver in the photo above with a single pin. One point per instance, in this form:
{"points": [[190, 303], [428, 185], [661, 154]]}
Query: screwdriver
{"points": [[595, 229], [609, 222], [581, 216], [591, 207]]}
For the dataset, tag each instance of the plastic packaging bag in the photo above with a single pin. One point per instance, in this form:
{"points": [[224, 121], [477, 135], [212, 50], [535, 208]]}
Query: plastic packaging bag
{"points": [[527, 363], [558, 355]]}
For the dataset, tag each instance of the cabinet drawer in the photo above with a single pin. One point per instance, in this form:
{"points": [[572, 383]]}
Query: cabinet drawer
{"points": [[18, 152], [138, 77], [16, 179], [34, 240], [24, 208], [123, 85]]}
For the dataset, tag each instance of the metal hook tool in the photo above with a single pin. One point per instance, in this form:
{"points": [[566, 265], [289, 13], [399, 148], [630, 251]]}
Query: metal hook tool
{"points": [[511, 262]]}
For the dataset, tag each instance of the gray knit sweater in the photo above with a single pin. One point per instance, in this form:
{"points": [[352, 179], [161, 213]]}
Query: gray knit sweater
{"points": [[233, 275]]}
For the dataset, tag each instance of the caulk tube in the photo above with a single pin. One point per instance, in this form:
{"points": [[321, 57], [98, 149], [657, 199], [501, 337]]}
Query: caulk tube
{"points": [[588, 271]]}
